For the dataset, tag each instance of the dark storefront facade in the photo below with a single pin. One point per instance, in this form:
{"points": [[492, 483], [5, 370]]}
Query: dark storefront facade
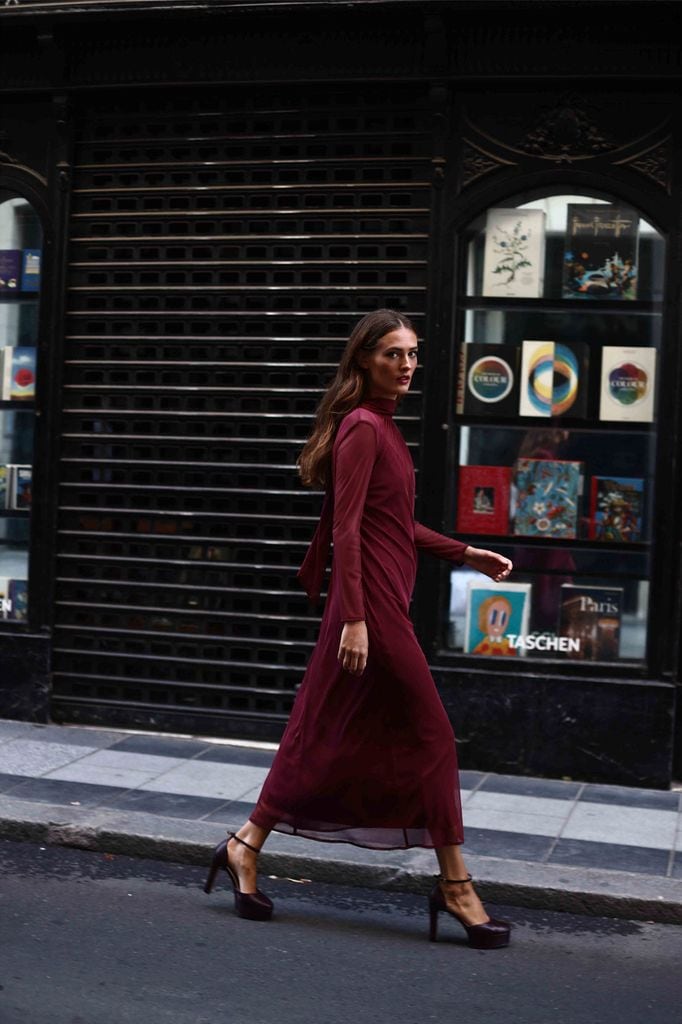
{"points": [[215, 197]]}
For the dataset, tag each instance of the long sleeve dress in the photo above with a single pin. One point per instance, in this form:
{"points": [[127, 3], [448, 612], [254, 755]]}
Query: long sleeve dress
{"points": [[368, 759]]}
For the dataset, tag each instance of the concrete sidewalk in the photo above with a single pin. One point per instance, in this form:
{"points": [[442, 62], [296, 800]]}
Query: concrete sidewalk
{"points": [[572, 846]]}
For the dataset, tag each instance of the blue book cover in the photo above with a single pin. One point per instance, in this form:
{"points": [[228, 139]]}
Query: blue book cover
{"points": [[18, 596], [30, 270], [546, 498]]}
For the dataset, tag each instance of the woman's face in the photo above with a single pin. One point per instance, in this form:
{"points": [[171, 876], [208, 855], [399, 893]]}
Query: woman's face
{"points": [[389, 367]]}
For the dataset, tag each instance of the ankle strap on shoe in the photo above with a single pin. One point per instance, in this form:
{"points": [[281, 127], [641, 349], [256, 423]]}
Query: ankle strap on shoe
{"points": [[233, 835], [454, 881]]}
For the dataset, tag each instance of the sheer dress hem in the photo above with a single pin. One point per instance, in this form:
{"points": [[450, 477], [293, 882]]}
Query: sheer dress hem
{"points": [[370, 837]]}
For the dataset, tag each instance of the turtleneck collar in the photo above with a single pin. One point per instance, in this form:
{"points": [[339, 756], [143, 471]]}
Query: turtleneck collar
{"points": [[385, 406]]}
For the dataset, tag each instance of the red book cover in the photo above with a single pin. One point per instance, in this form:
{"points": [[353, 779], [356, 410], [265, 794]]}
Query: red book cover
{"points": [[483, 499]]}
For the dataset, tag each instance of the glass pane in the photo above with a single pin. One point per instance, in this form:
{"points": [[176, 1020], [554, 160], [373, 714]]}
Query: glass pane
{"points": [[555, 401], [20, 260]]}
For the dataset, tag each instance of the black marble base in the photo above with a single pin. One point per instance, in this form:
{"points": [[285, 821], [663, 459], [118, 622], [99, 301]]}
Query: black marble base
{"points": [[189, 722], [592, 730], [24, 677]]}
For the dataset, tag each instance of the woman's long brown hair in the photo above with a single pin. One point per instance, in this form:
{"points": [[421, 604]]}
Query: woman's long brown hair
{"points": [[344, 393]]}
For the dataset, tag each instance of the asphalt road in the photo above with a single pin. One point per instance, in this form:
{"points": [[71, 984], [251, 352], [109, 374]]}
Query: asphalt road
{"points": [[87, 938]]}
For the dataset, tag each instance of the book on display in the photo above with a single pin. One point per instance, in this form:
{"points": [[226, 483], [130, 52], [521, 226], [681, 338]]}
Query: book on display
{"points": [[616, 508], [628, 381], [483, 499], [18, 373], [30, 270], [600, 260], [514, 256], [496, 615], [18, 597], [591, 617], [487, 382], [553, 379], [10, 268], [546, 497], [20, 491]]}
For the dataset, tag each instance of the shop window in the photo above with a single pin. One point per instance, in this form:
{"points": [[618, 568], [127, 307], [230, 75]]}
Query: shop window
{"points": [[20, 259], [556, 373]]}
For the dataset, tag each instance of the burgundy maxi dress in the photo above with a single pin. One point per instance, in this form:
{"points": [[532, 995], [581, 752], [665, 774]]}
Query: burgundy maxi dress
{"points": [[368, 759]]}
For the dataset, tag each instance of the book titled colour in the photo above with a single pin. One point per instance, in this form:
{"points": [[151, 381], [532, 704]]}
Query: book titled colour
{"points": [[483, 499], [546, 495], [553, 380], [592, 617], [616, 506], [514, 258], [628, 379], [487, 383], [496, 615], [600, 261]]}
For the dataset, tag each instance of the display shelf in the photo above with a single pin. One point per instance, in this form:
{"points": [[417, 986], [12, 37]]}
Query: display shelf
{"points": [[584, 425], [583, 543], [11, 294], [613, 306]]}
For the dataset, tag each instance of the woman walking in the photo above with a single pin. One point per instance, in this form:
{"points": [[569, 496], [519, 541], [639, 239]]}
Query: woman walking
{"points": [[368, 756]]}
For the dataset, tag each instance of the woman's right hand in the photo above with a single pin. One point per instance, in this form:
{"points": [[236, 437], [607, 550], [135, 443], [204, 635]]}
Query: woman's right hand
{"points": [[353, 647]]}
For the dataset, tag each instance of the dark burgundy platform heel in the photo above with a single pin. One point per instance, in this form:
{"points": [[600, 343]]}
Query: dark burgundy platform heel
{"points": [[254, 906], [491, 934]]}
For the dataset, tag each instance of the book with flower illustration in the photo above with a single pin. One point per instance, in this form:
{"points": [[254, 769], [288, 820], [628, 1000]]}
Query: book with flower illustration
{"points": [[514, 257], [546, 497]]}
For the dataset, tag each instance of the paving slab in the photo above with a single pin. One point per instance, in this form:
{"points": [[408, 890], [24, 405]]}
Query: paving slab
{"points": [[627, 826], [21, 756]]}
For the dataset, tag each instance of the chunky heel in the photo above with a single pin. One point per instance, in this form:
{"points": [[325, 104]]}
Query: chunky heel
{"points": [[490, 934], [254, 906]]}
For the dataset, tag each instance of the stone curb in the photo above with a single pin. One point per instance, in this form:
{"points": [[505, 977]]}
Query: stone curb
{"points": [[585, 891]]}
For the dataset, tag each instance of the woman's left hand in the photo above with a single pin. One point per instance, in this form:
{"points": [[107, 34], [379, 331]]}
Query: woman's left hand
{"points": [[497, 567]]}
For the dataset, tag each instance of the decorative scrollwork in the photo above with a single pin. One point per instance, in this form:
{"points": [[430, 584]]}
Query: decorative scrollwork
{"points": [[566, 133], [655, 163], [476, 163]]}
